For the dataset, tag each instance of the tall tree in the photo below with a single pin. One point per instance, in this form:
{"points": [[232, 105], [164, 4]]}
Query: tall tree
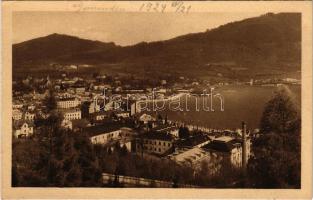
{"points": [[276, 161]]}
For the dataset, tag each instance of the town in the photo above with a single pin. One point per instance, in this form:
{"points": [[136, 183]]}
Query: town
{"points": [[122, 123]]}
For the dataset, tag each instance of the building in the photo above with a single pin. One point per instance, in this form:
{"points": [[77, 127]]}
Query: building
{"points": [[109, 135], [79, 90], [145, 118], [169, 129], [123, 114], [68, 103], [17, 105], [23, 129], [75, 124], [103, 135], [134, 108], [189, 156], [155, 143], [29, 116], [93, 107], [194, 140], [17, 114], [127, 132], [71, 114], [99, 116], [67, 124], [31, 107], [228, 149]]}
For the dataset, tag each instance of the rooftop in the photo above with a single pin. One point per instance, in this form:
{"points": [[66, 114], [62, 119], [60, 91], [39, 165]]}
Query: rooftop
{"points": [[193, 140], [157, 136], [102, 129], [224, 139], [190, 155], [222, 146]]}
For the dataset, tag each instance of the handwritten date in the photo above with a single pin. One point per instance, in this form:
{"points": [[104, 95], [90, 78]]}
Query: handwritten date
{"points": [[176, 6]]}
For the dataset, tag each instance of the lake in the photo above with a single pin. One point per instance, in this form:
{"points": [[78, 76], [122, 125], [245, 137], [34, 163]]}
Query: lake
{"points": [[241, 103]]}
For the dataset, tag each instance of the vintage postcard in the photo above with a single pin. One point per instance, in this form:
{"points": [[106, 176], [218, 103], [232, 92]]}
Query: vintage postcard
{"points": [[160, 99]]}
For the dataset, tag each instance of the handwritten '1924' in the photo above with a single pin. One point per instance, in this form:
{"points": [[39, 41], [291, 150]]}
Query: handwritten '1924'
{"points": [[176, 6]]}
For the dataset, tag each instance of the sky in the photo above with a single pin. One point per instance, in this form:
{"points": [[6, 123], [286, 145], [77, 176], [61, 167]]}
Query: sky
{"points": [[123, 29]]}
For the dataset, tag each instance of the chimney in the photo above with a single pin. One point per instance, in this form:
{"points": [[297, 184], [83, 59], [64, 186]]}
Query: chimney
{"points": [[244, 146]]}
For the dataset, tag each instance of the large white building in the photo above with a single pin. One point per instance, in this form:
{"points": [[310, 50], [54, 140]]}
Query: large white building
{"points": [[68, 103]]}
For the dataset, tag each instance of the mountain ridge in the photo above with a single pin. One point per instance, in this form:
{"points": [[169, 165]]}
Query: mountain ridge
{"points": [[267, 41]]}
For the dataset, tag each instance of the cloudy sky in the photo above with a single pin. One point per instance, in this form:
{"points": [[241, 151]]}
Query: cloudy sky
{"points": [[121, 28]]}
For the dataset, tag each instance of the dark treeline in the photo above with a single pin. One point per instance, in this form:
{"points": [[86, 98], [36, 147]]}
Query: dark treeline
{"points": [[70, 160]]}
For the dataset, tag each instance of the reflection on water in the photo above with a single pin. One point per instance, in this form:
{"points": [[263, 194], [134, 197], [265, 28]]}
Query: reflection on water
{"points": [[241, 103]]}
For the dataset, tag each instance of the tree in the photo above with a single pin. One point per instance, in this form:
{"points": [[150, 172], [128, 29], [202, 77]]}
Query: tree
{"points": [[276, 161], [57, 157], [50, 102]]}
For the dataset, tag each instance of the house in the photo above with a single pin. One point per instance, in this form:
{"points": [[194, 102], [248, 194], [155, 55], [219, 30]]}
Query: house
{"points": [[23, 129], [155, 143], [17, 114], [65, 103], [29, 116]]}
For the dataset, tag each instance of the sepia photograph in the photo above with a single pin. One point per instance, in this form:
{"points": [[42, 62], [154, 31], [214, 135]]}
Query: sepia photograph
{"points": [[156, 98]]}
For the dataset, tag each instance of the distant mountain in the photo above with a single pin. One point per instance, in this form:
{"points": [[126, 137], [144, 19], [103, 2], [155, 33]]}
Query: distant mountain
{"points": [[55, 47], [267, 41]]}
